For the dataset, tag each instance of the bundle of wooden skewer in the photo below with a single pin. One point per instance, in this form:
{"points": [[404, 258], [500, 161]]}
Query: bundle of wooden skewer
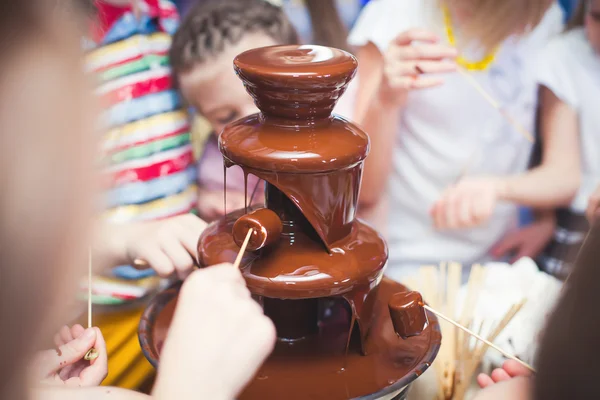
{"points": [[460, 355]]}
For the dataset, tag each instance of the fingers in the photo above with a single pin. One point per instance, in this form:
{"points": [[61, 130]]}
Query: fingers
{"points": [[467, 204], [482, 210], [153, 254], [77, 330], [448, 208], [411, 35], [484, 381], [169, 246], [465, 211], [412, 82], [181, 260], [510, 369], [188, 229], [499, 375], [53, 360], [65, 334], [76, 349], [431, 52], [412, 56], [515, 369], [98, 369], [67, 371]]}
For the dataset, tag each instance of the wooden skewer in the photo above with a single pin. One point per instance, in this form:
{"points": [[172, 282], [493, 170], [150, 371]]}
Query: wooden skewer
{"points": [[92, 353], [452, 287], [476, 336], [477, 354], [494, 103], [90, 289], [238, 259]]}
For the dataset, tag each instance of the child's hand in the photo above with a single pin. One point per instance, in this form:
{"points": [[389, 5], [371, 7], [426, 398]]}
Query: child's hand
{"points": [[406, 62], [529, 241], [210, 203], [65, 364], [219, 337], [471, 202], [169, 246], [510, 369], [593, 209]]}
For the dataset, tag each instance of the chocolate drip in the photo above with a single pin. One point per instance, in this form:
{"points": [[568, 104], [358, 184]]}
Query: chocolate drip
{"points": [[224, 188]]}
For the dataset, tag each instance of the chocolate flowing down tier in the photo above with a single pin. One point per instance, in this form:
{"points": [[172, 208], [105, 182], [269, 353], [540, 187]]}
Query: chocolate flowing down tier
{"points": [[315, 268], [298, 267]]}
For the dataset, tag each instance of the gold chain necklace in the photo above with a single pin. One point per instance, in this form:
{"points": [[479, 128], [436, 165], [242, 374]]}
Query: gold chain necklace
{"points": [[481, 65]]}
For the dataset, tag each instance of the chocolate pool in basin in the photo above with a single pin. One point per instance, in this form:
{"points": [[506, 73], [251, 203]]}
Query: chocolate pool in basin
{"points": [[315, 268]]}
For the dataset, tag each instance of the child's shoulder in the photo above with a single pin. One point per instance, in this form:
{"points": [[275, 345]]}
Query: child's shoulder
{"points": [[382, 20], [567, 47], [573, 37]]}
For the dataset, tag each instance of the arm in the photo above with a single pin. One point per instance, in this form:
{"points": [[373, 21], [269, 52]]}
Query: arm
{"points": [[472, 200], [380, 120], [528, 241], [556, 181], [384, 83]]}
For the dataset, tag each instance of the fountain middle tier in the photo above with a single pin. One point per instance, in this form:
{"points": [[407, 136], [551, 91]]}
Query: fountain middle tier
{"points": [[298, 266]]}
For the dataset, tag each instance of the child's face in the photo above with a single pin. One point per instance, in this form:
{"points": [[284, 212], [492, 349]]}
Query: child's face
{"points": [[215, 91], [592, 24]]}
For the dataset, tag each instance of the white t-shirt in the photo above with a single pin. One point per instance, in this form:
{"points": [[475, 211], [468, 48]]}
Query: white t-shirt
{"points": [[448, 129], [570, 67]]}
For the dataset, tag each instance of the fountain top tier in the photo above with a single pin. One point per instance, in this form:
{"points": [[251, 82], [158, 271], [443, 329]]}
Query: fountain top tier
{"points": [[311, 162], [298, 82], [296, 88]]}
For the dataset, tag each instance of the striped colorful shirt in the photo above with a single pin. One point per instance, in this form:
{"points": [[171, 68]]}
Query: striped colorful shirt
{"points": [[148, 162]]}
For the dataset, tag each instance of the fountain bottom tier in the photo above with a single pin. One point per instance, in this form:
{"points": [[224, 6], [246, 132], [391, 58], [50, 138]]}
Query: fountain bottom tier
{"points": [[327, 362]]}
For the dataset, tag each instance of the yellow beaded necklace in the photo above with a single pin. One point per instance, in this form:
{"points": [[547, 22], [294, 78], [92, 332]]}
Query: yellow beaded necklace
{"points": [[481, 65]]}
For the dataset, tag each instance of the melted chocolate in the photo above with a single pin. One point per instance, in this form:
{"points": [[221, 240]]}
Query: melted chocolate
{"points": [[317, 366], [320, 277], [266, 228], [408, 315]]}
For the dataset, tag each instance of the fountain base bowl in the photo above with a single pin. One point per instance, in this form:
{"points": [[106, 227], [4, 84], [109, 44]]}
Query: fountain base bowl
{"points": [[318, 367]]}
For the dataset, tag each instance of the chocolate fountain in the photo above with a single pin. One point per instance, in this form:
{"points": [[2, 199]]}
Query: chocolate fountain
{"points": [[314, 267]]}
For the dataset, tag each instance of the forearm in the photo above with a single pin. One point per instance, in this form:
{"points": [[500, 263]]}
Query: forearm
{"points": [[381, 123], [556, 181], [542, 187]]}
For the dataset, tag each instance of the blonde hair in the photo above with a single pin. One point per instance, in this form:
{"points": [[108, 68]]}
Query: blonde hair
{"points": [[43, 203], [491, 22]]}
